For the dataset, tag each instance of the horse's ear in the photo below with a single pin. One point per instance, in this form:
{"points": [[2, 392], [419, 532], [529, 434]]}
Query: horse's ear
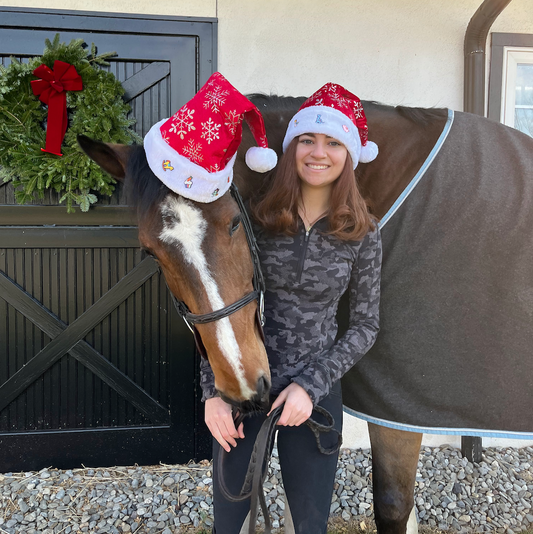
{"points": [[112, 158]]}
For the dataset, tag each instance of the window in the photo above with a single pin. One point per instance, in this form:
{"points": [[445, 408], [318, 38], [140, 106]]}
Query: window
{"points": [[517, 102], [511, 81]]}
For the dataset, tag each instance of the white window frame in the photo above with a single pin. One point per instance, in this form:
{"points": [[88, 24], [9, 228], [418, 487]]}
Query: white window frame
{"points": [[512, 56], [503, 49]]}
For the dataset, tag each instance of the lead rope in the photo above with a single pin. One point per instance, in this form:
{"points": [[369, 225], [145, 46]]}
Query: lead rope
{"points": [[256, 473]]}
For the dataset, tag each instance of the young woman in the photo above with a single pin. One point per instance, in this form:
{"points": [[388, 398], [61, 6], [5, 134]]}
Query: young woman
{"points": [[317, 240]]}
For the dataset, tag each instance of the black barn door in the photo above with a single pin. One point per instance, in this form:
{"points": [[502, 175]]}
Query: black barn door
{"points": [[95, 366]]}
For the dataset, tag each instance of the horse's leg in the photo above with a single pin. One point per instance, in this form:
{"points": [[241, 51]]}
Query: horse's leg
{"points": [[394, 462]]}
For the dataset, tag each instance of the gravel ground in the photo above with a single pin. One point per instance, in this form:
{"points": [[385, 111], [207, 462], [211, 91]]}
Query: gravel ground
{"points": [[495, 495]]}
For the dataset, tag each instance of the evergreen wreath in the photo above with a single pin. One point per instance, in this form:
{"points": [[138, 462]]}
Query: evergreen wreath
{"points": [[98, 111]]}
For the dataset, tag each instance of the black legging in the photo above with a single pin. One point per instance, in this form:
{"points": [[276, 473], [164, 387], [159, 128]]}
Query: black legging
{"points": [[308, 475]]}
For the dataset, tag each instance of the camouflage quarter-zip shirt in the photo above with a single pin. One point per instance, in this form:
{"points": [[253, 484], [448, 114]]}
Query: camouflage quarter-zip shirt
{"points": [[306, 275]]}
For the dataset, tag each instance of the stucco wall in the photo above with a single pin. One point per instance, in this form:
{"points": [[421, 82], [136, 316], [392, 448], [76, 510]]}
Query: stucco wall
{"points": [[397, 52], [181, 8]]}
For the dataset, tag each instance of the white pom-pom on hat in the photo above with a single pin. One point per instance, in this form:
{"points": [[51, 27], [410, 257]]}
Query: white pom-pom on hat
{"points": [[369, 152], [261, 159]]}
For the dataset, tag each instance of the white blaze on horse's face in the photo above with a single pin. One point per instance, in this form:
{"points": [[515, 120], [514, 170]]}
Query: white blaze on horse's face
{"points": [[187, 230]]}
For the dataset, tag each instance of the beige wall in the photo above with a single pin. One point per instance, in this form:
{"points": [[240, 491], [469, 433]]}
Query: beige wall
{"points": [[182, 8], [394, 51]]}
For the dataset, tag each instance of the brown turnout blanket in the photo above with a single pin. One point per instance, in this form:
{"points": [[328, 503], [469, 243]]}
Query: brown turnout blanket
{"points": [[455, 350]]}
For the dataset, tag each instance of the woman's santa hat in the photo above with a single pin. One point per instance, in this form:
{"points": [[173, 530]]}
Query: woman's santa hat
{"points": [[193, 151], [336, 112]]}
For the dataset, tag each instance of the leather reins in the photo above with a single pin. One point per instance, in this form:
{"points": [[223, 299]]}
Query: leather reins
{"points": [[191, 319], [254, 479]]}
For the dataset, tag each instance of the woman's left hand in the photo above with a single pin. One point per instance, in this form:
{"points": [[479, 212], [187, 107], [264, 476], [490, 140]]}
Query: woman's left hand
{"points": [[298, 405]]}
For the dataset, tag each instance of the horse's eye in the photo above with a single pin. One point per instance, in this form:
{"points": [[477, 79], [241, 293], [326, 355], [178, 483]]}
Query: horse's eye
{"points": [[235, 224], [149, 253]]}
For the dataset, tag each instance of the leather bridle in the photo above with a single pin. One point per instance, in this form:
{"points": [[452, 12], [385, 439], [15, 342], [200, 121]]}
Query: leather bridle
{"points": [[258, 292]]}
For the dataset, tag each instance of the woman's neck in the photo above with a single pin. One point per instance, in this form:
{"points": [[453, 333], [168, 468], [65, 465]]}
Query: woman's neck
{"points": [[314, 203]]}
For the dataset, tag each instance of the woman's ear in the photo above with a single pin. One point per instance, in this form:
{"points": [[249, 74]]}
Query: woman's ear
{"points": [[112, 158]]}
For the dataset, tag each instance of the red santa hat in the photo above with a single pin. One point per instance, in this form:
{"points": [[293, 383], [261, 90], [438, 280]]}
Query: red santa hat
{"points": [[193, 152], [336, 112]]}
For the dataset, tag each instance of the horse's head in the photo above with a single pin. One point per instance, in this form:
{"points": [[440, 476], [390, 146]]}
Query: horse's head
{"points": [[205, 258]]}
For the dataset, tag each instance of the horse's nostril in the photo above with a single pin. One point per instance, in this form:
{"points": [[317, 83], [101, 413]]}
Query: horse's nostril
{"points": [[263, 388], [261, 385]]}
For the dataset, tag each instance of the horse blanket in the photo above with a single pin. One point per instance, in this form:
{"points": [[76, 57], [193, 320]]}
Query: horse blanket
{"points": [[455, 351]]}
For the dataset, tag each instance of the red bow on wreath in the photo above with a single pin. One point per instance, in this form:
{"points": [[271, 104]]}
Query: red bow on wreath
{"points": [[51, 89]]}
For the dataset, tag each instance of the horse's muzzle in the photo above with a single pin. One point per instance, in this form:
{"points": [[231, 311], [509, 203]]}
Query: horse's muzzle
{"points": [[260, 402]]}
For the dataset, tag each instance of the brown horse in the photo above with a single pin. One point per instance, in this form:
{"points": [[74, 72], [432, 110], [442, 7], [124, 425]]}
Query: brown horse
{"points": [[227, 254], [406, 138]]}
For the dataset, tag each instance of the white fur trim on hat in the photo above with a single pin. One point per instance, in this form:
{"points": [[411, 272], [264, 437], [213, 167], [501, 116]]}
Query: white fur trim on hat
{"points": [[180, 174], [261, 159], [330, 121]]}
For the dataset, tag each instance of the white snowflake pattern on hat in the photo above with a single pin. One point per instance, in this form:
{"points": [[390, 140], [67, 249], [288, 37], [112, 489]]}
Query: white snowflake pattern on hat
{"points": [[210, 130], [233, 119], [183, 122], [358, 110], [193, 151], [336, 98], [215, 98]]}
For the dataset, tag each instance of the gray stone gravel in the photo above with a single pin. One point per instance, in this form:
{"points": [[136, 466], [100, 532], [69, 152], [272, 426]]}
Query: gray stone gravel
{"points": [[495, 495]]}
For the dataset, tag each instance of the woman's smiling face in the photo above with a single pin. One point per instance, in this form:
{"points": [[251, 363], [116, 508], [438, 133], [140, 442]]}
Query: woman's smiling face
{"points": [[320, 159]]}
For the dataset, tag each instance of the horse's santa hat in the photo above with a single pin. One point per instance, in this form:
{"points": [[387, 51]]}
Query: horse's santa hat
{"points": [[336, 112], [193, 152]]}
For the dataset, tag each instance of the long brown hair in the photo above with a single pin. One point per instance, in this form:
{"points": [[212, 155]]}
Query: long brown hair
{"points": [[277, 210]]}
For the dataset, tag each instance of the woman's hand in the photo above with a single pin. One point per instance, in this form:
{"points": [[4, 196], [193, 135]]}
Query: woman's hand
{"points": [[298, 405], [219, 420]]}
